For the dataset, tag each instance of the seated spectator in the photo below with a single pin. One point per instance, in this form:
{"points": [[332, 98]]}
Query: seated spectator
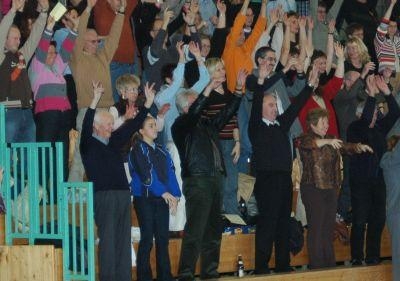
{"points": [[156, 194], [320, 181], [100, 147], [391, 171]]}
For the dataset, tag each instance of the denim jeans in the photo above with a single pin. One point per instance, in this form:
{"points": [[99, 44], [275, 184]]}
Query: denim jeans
{"points": [[230, 182], [20, 126], [117, 69], [243, 123], [153, 217]]}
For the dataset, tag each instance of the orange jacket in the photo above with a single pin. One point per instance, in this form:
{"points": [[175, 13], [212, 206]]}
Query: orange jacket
{"points": [[238, 57]]}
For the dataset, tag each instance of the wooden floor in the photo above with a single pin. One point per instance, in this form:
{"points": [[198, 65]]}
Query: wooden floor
{"points": [[381, 272]]}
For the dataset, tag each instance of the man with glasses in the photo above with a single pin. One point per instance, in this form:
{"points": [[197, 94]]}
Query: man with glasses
{"points": [[91, 63]]}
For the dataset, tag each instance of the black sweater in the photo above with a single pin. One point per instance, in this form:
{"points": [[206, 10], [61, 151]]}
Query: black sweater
{"points": [[104, 164], [271, 146], [364, 167]]}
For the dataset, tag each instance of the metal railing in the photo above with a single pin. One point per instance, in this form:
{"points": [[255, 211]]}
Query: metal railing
{"points": [[42, 208]]}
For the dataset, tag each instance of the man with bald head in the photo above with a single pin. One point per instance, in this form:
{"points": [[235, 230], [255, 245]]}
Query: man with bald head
{"points": [[91, 63], [15, 85]]}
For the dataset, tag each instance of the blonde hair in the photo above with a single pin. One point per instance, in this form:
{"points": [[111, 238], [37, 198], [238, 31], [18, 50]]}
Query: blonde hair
{"points": [[126, 80], [362, 49], [211, 64]]}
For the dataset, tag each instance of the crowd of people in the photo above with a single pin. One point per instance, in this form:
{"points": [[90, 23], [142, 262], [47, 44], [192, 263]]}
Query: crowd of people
{"points": [[173, 99]]}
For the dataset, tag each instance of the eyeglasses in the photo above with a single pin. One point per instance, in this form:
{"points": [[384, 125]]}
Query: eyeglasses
{"points": [[94, 41], [269, 58]]}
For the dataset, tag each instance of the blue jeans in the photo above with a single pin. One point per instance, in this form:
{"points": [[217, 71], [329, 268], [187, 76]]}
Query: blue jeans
{"points": [[153, 217], [243, 123], [117, 69], [20, 126], [230, 182]]}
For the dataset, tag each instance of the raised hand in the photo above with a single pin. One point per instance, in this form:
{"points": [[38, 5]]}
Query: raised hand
{"points": [[274, 16], [149, 92], [371, 88], [44, 5], [303, 21], [291, 62], [91, 3], [189, 17], [131, 111], [17, 5], [179, 48], [98, 91], [313, 78], [195, 49], [50, 23], [241, 79], [381, 85], [221, 7], [339, 51], [164, 109], [167, 16], [310, 23], [331, 26], [369, 66]]}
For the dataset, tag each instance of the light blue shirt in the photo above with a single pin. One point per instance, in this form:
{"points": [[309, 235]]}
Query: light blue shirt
{"points": [[168, 93]]}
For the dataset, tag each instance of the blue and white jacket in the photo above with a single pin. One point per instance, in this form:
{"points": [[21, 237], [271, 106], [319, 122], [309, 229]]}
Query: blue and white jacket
{"points": [[152, 171]]}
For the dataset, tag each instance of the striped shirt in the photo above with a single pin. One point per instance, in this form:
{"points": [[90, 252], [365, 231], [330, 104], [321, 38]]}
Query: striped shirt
{"points": [[216, 102], [387, 50]]}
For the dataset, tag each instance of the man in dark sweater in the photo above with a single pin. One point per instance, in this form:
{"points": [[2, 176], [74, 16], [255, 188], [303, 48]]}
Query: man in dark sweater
{"points": [[103, 161], [368, 195], [272, 160], [202, 163]]}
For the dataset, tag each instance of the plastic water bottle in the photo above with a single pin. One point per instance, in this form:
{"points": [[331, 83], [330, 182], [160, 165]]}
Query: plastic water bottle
{"points": [[240, 266]]}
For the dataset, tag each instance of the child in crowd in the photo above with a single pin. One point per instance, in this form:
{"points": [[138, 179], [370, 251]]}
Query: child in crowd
{"points": [[156, 191]]}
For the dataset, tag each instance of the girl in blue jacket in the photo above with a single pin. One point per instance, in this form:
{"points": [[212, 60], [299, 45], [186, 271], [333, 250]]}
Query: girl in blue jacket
{"points": [[156, 192]]}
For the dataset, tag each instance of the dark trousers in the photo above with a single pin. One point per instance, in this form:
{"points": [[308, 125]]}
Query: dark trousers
{"points": [[203, 228], [153, 217], [72, 97], [320, 205], [54, 126], [273, 193], [369, 206], [112, 214]]}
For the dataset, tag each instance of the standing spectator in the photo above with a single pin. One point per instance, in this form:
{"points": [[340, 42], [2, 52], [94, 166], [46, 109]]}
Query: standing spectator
{"points": [[366, 179], [20, 126], [273, 188], [91, 63], [125, 57], [321, 19], [320, 157], [238, 49], [52, 108], [390, 164], [156, 191], [104, 164], [356, 54], [202, 169]]}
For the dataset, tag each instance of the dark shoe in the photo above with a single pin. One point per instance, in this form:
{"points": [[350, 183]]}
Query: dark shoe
{"points": [[372, 261], [262, 271], [356, 262], [283, 270]]}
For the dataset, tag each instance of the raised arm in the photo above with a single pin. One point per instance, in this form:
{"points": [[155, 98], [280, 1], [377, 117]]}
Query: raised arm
{"points": [[112, 40], [28, 49], [259, 28], [204, 77]]}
